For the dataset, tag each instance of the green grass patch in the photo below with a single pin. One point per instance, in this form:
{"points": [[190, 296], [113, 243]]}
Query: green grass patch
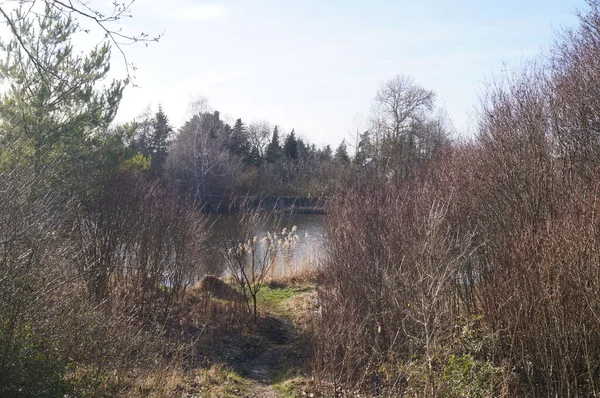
{"points": [[287, 389], [220, 301], [273, 298], [222, 382]]}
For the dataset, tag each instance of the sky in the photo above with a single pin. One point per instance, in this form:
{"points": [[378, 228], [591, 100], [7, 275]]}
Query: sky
{"points": [[315, 65]]}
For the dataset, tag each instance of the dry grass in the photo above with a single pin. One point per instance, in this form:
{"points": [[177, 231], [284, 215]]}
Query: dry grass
{"points": [[216, 288], [308, 276], [214, 381]]}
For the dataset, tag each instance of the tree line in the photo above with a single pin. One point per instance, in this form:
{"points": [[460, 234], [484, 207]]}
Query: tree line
{"points": [[208, 156]]}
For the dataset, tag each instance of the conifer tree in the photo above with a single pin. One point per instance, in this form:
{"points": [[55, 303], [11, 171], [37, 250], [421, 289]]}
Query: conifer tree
{"points": [[53, 108], [290, 147], [238, 143], [161, 130], [273, 153], [341, 154], [325, 154]]}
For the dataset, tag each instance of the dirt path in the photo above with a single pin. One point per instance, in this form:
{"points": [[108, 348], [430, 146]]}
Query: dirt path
{"points": [[260, 371], [262, 391], [263, 368]]}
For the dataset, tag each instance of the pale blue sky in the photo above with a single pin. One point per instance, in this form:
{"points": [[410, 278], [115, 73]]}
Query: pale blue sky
{"points": [[315, 65]]}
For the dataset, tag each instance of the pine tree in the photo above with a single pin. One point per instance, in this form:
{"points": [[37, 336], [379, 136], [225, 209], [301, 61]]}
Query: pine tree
{"points": [[238, 143], [254, 157], [302, 149], [290, 147], [341, 154], [161, 130], [140, 140], [325, 153], [365, 149], [273, 153], [58, 112]]}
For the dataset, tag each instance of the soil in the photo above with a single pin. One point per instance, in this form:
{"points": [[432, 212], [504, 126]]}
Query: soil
{"points": [[278, 354], [260, 371]]}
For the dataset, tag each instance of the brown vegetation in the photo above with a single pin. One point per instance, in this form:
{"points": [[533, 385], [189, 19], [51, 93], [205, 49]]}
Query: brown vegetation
{"points": [[478, 275], [217, 288]]}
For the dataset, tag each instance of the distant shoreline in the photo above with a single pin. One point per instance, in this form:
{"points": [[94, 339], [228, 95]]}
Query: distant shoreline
{"points": [[222, 204]]}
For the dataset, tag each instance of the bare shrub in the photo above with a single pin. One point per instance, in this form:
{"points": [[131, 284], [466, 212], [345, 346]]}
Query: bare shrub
{"points": [[141, 242], [538, 242], [64, 325], [575, 82], [29, 280], [248, 256], [388, 285], [535, 215]]}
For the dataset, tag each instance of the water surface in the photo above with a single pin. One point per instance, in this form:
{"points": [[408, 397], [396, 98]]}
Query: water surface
{"points": [[304, 254]]}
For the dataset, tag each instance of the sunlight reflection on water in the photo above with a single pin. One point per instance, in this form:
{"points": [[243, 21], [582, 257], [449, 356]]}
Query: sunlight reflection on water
{"points": [[305, 254]]}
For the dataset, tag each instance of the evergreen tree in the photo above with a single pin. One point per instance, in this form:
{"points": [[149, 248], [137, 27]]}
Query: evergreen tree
{"points": [[290, 147], [238, 143], [254, 158], [365, 149], [341, 154], [142, 131], [303, 149], [273, 153], [161, 130], [58, 113], [326, 153]]}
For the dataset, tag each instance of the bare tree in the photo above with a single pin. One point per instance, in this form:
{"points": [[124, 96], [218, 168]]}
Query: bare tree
{"points": [[400, 110], [259, 134], [399, 103], [198, 154]]}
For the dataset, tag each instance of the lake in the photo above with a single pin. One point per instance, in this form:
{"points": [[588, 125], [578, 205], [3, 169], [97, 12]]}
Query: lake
{"points": [[304, 254]]}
